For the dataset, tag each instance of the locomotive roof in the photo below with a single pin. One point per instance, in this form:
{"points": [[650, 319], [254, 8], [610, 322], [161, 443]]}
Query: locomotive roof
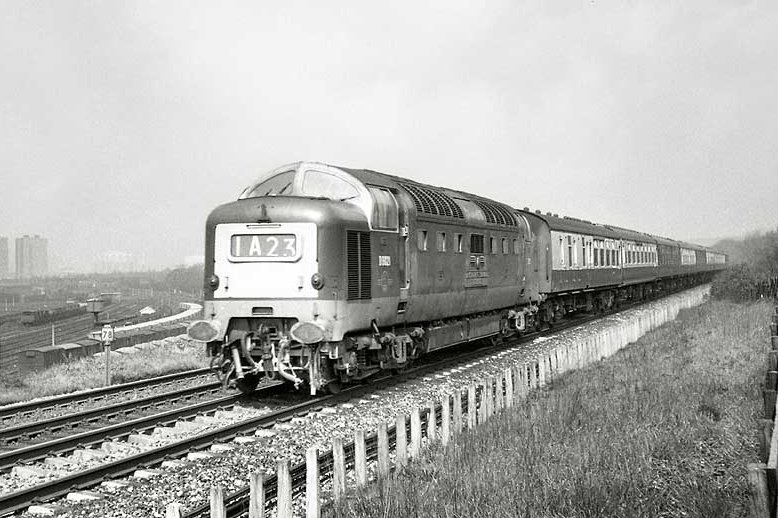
{"points": [[441, 201]]}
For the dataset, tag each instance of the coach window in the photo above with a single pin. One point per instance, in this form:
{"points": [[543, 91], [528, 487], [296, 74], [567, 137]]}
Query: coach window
{"points": [[384, 208], [325, 185], [476, 243], [460, 239], [422, 240], [441, 241]]}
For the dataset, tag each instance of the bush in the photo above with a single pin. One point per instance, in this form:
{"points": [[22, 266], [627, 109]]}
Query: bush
{"points": [[753, 273], [740, 283]]}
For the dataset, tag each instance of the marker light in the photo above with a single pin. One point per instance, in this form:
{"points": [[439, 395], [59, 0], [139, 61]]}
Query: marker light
{"points": [[203, 330], [213, 282], [317, 281]]}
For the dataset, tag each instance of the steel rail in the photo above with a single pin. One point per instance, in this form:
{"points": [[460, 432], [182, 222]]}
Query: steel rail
{"points": [[50, 490], [59, 422], [91, 437], [34, 406]]}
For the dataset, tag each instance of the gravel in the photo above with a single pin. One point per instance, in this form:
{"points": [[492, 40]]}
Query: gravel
{"points": [[189, 484]]}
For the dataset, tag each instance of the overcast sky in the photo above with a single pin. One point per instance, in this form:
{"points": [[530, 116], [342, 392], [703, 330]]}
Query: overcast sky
{"points": [[124, 123]]}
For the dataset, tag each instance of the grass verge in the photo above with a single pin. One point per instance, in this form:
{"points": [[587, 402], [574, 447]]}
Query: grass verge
{"points": [[663, 428], [171, 355]]}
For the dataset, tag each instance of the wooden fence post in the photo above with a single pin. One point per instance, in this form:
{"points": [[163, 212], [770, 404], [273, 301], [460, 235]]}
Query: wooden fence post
{"points": [[257, 494], [533, 376], [360, 458], [772, 379], [217, 502], [457, 412], [383, 451], [489, 397], [471, 406], [508, 388], [338, 468], [499, 395], [284, 498], [757, 480], [415, 433], [312, 501], [445, 419], [522, 380], [542, 363], [431, 422], [765, 438], [173, 510], [401, 444], [482, 405], [769, 403]]}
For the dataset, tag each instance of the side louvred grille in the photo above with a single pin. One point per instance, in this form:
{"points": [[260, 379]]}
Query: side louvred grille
{"points": [[359, 274]]}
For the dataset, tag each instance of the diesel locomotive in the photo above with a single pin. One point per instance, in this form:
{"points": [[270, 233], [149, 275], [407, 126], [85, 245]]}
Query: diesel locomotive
{"points": [[321, 275]]}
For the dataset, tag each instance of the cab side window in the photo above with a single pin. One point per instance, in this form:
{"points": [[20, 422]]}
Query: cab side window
{"points": [[384, 209]]}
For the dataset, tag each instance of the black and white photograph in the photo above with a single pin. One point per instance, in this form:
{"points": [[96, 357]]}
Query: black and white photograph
{"points": [[388, 259]]}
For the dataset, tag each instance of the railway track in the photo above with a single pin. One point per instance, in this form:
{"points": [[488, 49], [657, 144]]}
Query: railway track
{"points": [[50, 490], [35, 409], [47, 491]]}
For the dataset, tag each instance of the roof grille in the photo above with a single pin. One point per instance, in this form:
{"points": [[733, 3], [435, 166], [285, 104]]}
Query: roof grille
{"points": [[431, 201], [496, 213]]}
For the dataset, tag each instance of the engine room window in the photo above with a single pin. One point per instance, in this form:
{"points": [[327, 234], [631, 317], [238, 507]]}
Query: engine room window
{"points": [[384, 209], [505, 248], [493, 245], [325, 185], [460, 244], [279, 184], [441, 241], [476, 243], [516, 247], [422, 240]]}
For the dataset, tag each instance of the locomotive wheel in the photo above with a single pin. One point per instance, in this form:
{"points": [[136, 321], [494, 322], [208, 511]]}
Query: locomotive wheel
{"points": [[333, 387], [248, 383]]}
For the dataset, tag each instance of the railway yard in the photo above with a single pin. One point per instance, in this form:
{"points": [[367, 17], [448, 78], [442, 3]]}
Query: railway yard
{"points": [[130, 450]]}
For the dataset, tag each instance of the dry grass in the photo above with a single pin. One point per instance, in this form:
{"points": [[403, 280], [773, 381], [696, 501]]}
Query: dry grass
{"points": [[663, 428], [169, 357]]}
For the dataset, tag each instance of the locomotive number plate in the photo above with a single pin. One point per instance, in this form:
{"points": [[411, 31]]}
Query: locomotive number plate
{"points": [[263, 245]]}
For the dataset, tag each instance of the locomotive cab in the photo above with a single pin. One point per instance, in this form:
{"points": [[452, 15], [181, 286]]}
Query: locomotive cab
{"points": [[289, 270]]}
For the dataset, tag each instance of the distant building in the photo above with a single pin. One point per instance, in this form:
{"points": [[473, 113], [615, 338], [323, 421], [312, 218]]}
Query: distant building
{"points": [[4, 258], [32, 257]]}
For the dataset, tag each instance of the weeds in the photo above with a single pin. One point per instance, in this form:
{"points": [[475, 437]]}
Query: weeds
{"points": [[168, 357], [663, 428]]}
